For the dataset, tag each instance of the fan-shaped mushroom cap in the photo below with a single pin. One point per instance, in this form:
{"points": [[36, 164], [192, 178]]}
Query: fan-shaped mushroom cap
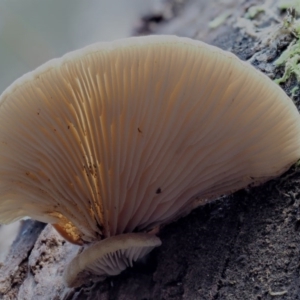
{"points": [[109, 257], [123, 136]]}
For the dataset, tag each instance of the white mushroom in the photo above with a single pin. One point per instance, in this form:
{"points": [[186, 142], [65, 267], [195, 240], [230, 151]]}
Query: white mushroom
{"points": [[109, 257], [128, 135]]}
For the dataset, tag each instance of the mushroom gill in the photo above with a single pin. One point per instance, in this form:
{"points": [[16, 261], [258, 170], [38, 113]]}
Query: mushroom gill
{"points": [[109, 257], [124, 136]]}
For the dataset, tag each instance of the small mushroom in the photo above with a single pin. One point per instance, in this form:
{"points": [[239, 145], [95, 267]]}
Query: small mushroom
{"points": [[126, 136], [109, 257]]}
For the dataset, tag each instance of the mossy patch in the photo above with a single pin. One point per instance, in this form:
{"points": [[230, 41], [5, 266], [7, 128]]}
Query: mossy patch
{"points": [[290, 58], [288, 4]]}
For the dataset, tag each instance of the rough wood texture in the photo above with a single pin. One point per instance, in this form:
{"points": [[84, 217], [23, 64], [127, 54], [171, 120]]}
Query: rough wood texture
{"points": [[245, 246], [15, 268]]}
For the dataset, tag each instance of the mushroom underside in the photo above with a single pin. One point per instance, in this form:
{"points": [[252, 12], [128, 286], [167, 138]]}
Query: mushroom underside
{"points": [[109, 257], [124, 136]]}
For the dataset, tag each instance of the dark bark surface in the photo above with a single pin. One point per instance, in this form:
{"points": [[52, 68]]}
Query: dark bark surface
{"points": [[245, 246]]}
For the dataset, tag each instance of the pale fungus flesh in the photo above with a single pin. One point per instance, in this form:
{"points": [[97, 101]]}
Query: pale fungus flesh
{"points": [[109, 257], [125, 136]]}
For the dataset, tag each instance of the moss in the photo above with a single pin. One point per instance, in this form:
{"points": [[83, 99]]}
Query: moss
{"points": [[294, 91], [290, 58], [288, 4], [219, 20], [254, 11]]}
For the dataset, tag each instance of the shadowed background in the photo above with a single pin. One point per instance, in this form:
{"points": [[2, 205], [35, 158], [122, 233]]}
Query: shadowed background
{"points": [[34, 31]]}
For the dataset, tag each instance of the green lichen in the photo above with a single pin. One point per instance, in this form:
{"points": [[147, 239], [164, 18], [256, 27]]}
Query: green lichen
{"points": [[294, 91], [288, 4], [254, 11], [290, 58], [219, 20]]}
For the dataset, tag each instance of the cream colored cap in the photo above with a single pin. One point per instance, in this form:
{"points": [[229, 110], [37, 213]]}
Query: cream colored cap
{"points": [[123, 136]]}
